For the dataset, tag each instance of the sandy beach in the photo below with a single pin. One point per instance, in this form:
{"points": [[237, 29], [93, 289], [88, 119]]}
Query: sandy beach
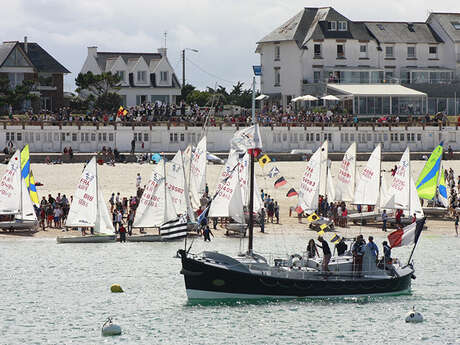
{"points": [[122, 178]]}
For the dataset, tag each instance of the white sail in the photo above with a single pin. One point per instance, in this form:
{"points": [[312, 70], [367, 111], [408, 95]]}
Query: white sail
{"points": [[384, 191], [187, 156], [104, 223], [345, 186], [83, 210], [244, 173], [154, 208], [323, 176], [225, 190], [367, 189], [10, 186], [309, 185], [28, 211], [331, 190], [235, 207], [197, 183], [175, 181], [229, 166], [415, 206], [399, 189]]}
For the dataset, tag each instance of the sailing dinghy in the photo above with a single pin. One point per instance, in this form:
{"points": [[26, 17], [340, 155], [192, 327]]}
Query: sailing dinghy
{"points": [[157, 210], [16, 208], [88, 210]]}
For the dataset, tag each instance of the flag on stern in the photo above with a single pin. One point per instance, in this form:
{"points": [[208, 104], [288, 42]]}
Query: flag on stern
{"points": [[312, 217], [264, 160], [175, 228], [335, 239], [291, 192], [280, 182], [299, 209], [406, 236], [273, 172]]}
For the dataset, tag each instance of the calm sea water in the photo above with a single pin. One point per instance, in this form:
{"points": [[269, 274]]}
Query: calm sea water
{"points": [[59, 294]]}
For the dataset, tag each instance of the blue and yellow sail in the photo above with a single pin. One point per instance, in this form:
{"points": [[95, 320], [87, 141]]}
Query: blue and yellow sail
{"points": [[427, 182], [26, 174], [442, 190]]}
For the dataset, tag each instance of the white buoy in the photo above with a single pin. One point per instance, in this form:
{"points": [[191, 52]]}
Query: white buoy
{"points": [[110, 329], [414, 316]]}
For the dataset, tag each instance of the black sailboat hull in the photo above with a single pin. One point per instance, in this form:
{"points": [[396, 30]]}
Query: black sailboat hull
{"points": [[207, 281]]}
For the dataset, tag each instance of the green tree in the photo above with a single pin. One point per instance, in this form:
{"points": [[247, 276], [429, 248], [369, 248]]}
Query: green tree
{"points": [[102, 86], [186, 90], [16, 97], [199, 97]]}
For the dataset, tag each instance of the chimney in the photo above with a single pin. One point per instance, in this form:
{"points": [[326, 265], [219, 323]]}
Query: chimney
{"points": [[26, 48], [162, 51], [92, 51]]}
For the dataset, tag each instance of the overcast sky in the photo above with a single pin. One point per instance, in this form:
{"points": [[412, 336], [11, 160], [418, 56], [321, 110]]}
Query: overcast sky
{"points": [[224, 31]]}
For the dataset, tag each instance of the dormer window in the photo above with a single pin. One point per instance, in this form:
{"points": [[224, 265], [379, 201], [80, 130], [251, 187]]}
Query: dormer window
{"points": [[342, 26], [121, 75], [164, 76], [332, 26], [456, 25], [142, 76]]}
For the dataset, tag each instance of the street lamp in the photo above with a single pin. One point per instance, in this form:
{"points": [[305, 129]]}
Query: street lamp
{"points": [[183, 63]]}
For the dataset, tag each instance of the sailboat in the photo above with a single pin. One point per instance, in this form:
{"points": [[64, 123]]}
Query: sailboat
{"points": [[88, 210], [16, 207], [345, 186], [431, 183], [367, 189], [213, 275], [402, 193], [157, 209]]}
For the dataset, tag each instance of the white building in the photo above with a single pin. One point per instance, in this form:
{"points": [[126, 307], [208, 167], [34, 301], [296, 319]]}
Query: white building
{"points": [[145, 77], [319, 46]]}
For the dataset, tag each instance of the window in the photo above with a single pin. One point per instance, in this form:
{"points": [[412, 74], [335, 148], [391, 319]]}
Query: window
{"points": [[182, 137], [317, 76], [433, 52], [363, 51], [340, 51], [18, 136], [332, 26], [93, 136], [411, 52], [171, 137], [15, 79], [389, 52], [389, 76], [277, 53], [146, 137], [317, 50], [121, 75], [142, 76], [164, 76], [277, 76], [342, 26], [110, 136], [456, 25], [74, 137]]}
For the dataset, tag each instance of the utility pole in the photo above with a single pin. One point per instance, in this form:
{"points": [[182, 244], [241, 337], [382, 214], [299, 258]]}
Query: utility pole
{"points": [[183, 68]]}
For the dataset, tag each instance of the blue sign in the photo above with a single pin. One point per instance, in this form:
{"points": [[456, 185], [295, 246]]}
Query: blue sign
{"points": [[257, 70]]}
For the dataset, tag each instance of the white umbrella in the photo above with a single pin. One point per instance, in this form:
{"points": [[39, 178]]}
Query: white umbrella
{"points": [[330, 98], [309, 98], [261, 97], [297, 99]]}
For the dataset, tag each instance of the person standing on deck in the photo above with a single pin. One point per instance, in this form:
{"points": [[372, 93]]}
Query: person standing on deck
{"points": [[326, 253], [374, 250]]}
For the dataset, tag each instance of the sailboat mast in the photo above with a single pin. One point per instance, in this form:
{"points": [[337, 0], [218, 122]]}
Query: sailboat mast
{"points": [[410, 184], [166, 199], [251, 174]]}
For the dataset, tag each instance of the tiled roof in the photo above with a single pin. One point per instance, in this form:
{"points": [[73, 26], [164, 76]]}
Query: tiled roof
{"points": [[402, 32], [447, 20], [41, 60], [102, 57]]}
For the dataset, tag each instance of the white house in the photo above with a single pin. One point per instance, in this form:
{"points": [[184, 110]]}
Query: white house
{"points": [[319, 47], [146, 77]]}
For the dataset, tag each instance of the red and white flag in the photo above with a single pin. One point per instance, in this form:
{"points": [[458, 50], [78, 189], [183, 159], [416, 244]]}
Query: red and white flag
{"points": [[406, 236]]}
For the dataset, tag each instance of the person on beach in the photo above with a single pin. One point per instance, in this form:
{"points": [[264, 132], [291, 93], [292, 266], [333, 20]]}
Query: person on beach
{"points": [[456, 224], [206, 234], [384, 220], [326, 253], [122, 231], [262, 220], [112, 202], [138, 181], [312, 251], [277, 212]]}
